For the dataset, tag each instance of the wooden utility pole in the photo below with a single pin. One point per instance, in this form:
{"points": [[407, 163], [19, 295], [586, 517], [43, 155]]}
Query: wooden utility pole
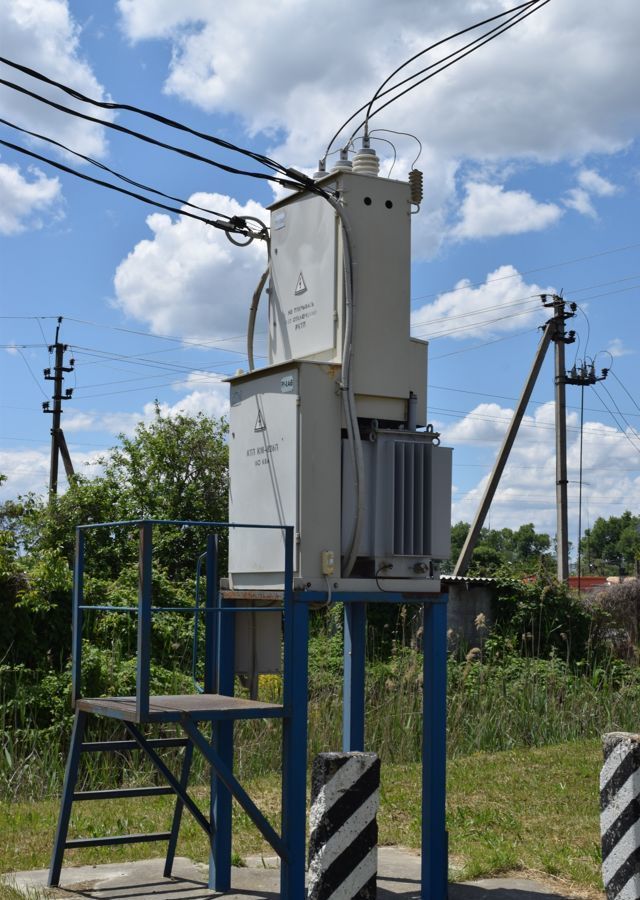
{"points": [[58, 441], [554, 330]]}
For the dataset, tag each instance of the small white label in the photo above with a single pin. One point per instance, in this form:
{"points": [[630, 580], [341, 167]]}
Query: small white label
{"points": [[287, 384], [301, 287], [279, 219]]}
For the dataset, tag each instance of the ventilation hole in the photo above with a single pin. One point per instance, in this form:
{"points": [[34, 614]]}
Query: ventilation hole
{"points": [[388, 203], [368, 201]]}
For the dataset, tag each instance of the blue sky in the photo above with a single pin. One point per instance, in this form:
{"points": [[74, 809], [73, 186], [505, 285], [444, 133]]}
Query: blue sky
{"points": [[532, 180]]}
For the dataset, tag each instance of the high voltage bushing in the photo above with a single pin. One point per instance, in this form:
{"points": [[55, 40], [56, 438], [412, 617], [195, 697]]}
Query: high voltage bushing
{"points": [[415, 183], [620, 816], [343, 841]]}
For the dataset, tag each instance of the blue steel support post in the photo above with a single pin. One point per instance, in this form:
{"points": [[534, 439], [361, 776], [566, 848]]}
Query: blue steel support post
{"points": [[210, 622], [70, 778], [294, 734], [77, 616], [143, 668], [223, 632], [355, 629], [434, 740], [177, 812]]}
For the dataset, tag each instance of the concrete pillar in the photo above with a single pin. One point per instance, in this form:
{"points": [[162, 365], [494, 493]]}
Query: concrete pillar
{"points": [[620, 816], [343, 842]]}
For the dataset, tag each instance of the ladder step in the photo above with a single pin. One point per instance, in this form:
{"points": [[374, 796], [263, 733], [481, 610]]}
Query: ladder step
{"points": [[118, 839], [122, 792], [98, 746]]}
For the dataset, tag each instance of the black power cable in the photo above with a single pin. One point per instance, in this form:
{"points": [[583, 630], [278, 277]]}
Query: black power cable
{"points": [[516, 13], [295, 184], [475, 45], [450, 37], [164, 120], [99, 165], [234, 225]]}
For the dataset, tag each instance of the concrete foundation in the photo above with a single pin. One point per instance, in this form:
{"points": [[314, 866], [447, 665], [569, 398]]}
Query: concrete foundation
{"points": [[398, 879]]}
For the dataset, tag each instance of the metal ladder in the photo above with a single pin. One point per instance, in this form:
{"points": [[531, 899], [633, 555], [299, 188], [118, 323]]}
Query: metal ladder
{"points": [[70, 795]]}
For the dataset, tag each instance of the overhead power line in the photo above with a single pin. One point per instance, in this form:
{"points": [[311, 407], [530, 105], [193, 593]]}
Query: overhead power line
{"points": [[506, 337], [515, 302], [521, 13], [213, 344], [190, 154], [224, 226], [482, 323], [611, 372], [99, 165], [504, 420], [439, 43], [621, 414], [164, 120], [440, 387], [557, 265]]}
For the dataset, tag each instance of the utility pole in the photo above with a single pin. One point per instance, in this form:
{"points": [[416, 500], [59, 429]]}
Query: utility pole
{"points": [[560, 338], [582, 375], [554, 330], [474, 531], [58, 441]]}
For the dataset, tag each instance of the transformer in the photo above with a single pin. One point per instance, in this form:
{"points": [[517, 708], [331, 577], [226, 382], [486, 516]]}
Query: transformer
{"points": [[365, 485]]}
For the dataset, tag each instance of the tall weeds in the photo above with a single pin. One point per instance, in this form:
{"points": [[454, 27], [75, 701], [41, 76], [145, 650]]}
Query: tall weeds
{"points": [[495, 705]]}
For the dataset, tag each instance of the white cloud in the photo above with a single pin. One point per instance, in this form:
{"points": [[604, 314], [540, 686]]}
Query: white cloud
{"points": [[23, 198], [497, 103], [43, 35], [591, 181], [28, 470], [590, 184], [286, 72], [616, 348], [503, 303], [188, 279], [527, 488], [206, 393], [488, 210], [579, 199]]}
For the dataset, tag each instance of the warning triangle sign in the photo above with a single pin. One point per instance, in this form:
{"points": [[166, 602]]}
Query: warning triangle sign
{"points": [[300, 286], [260, 423]]}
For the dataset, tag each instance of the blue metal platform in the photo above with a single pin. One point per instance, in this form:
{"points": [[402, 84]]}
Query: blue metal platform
{"points": [[216, 708]]}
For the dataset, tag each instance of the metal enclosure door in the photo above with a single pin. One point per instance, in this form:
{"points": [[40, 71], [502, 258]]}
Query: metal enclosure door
{"points": [[262, 466], [302, 300]]}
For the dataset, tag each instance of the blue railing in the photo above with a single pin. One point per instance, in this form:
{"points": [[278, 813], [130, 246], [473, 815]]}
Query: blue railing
{"points": [[212, 610]]}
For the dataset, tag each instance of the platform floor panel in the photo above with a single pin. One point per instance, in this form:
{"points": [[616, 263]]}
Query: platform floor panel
{"points": [[200, 707]]}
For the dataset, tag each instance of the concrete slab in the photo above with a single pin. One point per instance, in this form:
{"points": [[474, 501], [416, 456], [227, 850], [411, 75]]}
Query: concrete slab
{"points": [[398, 879]]}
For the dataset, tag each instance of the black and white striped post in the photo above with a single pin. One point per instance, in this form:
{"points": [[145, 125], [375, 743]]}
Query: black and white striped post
{"points": [[620, 816], [343, 842]]}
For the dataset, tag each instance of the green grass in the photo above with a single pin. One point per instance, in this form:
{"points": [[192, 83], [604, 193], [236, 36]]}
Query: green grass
{"points": [[533, 811]]}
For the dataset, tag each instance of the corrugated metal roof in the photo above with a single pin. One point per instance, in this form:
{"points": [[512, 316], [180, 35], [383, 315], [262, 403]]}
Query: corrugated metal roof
{"points": [[466, 579]]}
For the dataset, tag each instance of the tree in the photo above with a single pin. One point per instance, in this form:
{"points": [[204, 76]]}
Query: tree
{"points": [[612, 546], [523, 550], [175, 467]]}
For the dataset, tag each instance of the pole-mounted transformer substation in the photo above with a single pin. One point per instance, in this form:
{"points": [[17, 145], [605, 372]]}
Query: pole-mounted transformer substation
{"points": [[339, 492]]}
